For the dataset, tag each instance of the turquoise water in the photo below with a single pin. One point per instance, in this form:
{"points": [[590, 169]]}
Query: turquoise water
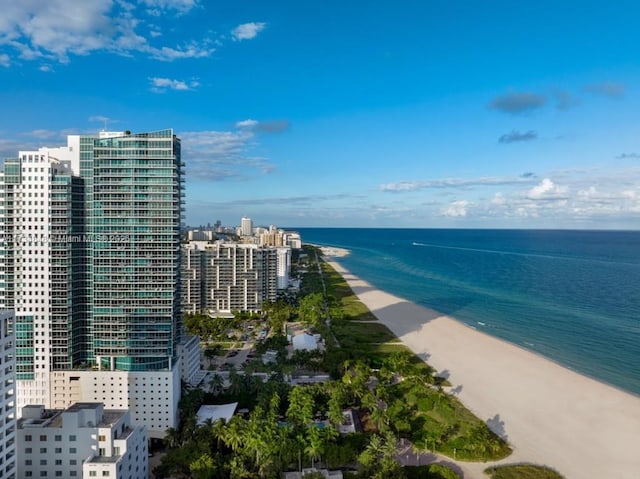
{"points": [[572, 296]]}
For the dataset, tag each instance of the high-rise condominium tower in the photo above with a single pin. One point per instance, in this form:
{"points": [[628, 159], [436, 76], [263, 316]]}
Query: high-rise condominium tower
{"points": [[92, 261], [246, 226]]}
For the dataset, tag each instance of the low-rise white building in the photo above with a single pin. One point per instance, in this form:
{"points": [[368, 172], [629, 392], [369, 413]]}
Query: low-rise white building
{"points": [[151, 396], [85, 440], [304, 342], [213, 412]]}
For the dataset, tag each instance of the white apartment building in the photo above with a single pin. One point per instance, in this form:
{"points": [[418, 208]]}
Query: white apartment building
{"points": [[8, 420], [284, 267], [221, 278], [85, 440], [151, 396], [246, 226], [38, 190], [292, 239]]}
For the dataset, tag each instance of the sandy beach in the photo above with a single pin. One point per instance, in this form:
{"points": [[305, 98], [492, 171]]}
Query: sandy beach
{"points": [[549, 414]]}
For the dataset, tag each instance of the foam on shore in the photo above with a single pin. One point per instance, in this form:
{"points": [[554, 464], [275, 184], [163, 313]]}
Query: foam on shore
{"points": [[549, 414]]}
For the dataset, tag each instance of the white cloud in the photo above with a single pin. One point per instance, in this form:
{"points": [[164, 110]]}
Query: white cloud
{"points": [[45, 68], [403, 186], [249, 123], [247, 31], [5, 61], [219, 155], [168, 54], [9, 147], [498, 199], [457, 208], [43, 134], [58, 29], [547, 190], [579, 198], [160, 85], [178, 6]]}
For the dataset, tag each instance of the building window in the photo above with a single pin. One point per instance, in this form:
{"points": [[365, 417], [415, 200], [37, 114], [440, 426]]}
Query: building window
{"points": [[72, 450], [58, 438], [102, 438], [43, 437], [27, 437], [43, 450], [58, 450], [28, 473], [43, 462], [105, 473], [72, 437], [93, 473], [58, 473], [27, 450], [27, 462], [73, 473], [58, 462], [73, 462]]}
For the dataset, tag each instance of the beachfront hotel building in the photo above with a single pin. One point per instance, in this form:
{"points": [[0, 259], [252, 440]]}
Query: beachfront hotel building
{"points": [[84, 440], [8, 418], [91, 266]]}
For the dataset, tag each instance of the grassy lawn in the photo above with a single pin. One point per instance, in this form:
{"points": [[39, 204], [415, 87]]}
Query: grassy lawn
{"points": [[339, 289], [364, 332], [522, 471]]}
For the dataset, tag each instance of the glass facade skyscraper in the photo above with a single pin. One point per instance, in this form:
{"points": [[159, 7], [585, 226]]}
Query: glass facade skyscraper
{"points": [[136, 213], [91, 255]]}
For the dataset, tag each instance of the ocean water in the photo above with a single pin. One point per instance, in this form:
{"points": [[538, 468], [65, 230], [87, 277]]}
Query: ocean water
{"points": [[571, 296]]}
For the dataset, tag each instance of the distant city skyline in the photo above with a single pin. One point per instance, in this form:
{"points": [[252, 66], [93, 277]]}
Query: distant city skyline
{"points": [[366, 114]]}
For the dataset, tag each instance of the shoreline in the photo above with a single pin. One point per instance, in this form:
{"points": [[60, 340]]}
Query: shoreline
{"points": [[550, 415]]}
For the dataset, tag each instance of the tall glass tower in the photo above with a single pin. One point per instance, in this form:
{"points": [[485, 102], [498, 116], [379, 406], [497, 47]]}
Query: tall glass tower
{"points": [[134, 224], [90, 258]]}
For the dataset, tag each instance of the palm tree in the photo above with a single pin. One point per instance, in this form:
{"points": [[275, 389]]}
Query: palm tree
{"points": [[216, 385], [369, 457], [314, 444], [172, 438], [233, 435], [380, 418], [389, 452], [217, 431], [238, 469], [301, 406], [236, 383], [336, 418], [204, 467]]}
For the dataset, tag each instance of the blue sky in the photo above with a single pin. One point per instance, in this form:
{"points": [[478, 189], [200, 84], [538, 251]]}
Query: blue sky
{"points": [[363, 113]]}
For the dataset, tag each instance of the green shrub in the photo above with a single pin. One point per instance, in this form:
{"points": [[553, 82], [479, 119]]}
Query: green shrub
{"points": [[522, 471], [431, 471]]}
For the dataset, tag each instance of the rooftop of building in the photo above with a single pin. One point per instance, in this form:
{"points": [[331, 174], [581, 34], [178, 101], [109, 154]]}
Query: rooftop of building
{"points": [[34, 416], [103, 460], [80, 406], [214, 412]]}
